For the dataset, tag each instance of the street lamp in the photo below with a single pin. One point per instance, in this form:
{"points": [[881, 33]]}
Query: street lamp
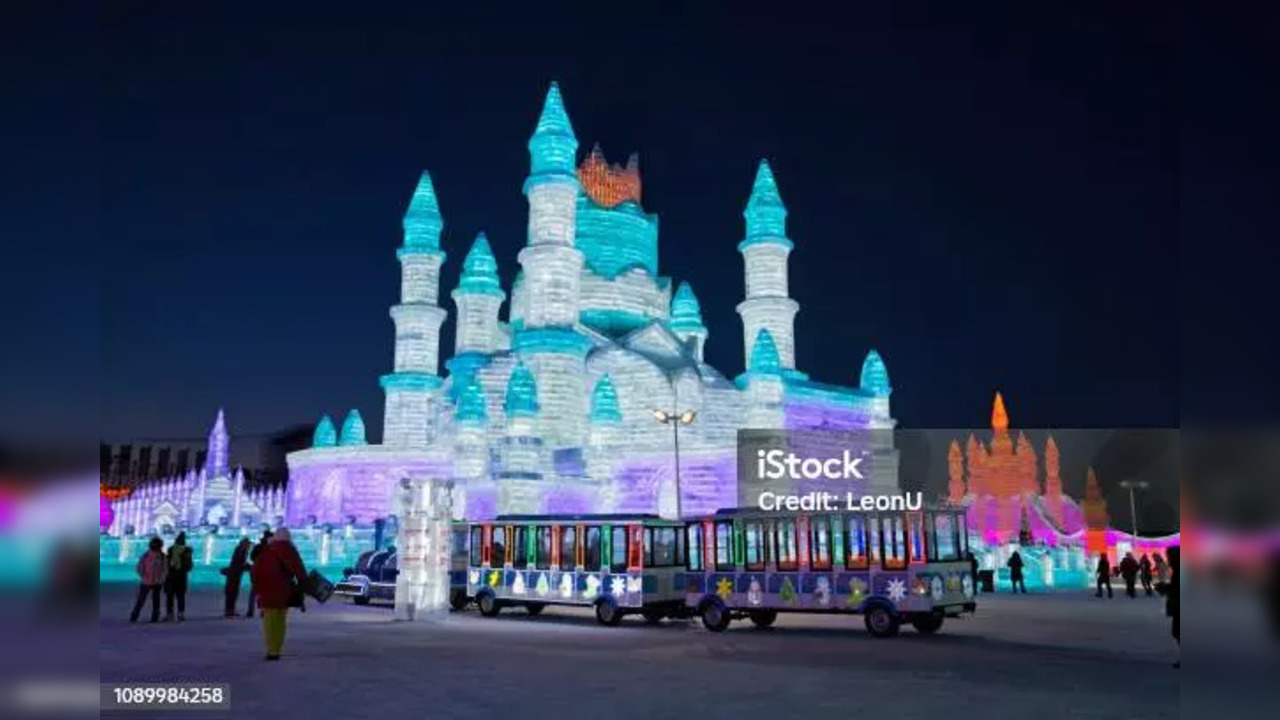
{"points": [[675, 420], [1132, 485]]}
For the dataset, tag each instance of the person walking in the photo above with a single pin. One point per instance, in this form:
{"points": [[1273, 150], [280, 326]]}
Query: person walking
{"points": [[235, 571], [175, 584], [1171, 601], [278, 579], [1015, 573], [1129, 571], [152, 568], [1145, 574], [1162, 569], [253, 558], [973, 570], [1104, 574]]}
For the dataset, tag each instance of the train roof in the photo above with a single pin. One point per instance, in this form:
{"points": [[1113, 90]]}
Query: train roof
{"points": [[608, 517], [730, 512]]}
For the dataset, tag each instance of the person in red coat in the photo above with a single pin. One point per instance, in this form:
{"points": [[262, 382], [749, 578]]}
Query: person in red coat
{"points": [[278, 579]]}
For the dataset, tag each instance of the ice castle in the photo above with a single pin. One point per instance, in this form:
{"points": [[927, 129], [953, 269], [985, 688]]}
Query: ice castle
{"points": [[553, 409]]}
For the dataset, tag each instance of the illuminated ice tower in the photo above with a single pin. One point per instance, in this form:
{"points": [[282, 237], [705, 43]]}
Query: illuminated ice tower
{"points": [[413, 387], [764, 250], [548, 342], [479, 297]]}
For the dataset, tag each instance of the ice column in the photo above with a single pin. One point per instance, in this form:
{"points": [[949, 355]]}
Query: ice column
{"points": [[768, 305], [423, 549], [874, 382]]}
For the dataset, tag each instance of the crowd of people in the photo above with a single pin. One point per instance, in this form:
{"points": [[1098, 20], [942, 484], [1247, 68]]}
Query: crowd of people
{"points": [[277, 579]]}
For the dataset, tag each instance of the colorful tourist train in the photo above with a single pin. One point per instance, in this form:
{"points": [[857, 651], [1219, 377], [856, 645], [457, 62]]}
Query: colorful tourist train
{"points": [[892, 568]]}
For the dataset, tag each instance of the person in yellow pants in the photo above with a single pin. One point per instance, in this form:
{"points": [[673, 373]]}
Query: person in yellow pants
{"points": [[278, 575]]}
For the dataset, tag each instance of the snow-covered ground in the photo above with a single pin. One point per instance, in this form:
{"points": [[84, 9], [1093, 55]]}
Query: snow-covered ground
{"points": [[1034, 656]]}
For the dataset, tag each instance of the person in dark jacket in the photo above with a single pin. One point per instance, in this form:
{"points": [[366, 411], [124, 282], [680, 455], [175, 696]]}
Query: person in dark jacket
{"points": [[235, 571], [175, 584], [973, 570], [278, 578], [1104, 575], [253, 557], [152, 568], [1129, 571], [1015, 573], [1146, 574]]}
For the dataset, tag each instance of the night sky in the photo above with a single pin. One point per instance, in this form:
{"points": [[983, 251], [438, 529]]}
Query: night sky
{"points": [[988, 201]]}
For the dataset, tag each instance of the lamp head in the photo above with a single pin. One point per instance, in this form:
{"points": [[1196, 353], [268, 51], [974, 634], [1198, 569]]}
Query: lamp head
{"points": [[688, 417], [661, 416]]}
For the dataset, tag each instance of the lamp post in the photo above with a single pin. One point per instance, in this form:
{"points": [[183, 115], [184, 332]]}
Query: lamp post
{"points": [[1132, 485], [675, 420]]}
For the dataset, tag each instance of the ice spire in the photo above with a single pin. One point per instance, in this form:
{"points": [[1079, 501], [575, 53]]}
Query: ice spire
{"points": [[353, 430], [553, 146], [522, 392], [999, 417], [875, 376], [766, 215], [480, 270], [604, 402], [764, 354], [471, 405], [219, 442], [686, 313], [326, 435], [422, 221]]}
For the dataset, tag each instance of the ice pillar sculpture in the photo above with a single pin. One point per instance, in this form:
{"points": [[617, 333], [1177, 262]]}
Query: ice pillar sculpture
{"points": [[412, 388], [768, 305], [239, 492], [874, 382], [423, 549]]}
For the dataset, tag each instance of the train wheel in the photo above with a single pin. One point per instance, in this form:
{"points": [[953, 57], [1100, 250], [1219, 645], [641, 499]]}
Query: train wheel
{"points": [[535, 608], [607, 612], [927, 625], [488, 605], [653, 616], [714, 616], [764, 618], [458, 600], [880, 622]]}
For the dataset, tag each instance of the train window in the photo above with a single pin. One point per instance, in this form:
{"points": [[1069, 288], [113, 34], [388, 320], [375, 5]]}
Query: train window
{"points": [[664, 547], [477, 545], [856, 542], [944, 538], [962, 532], [724, 546], [915, 536], [786, 545], [568, 547], [618, 549], [519, 546], [820, 543], [679, 534], [873, 540], [694, 534], [592, 561], [636, 557], [893, 537], [648, 546], [542, 544], [755, 546], [459, 542], [931, 536], [498, 555]]}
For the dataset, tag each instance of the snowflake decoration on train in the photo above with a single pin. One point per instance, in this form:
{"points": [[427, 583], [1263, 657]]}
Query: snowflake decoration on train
{"points": [[617, 586], [897, 590]]}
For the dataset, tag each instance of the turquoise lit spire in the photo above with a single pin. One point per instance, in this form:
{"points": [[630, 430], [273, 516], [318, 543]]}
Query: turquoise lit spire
{"points": [[686, 313], [764, 354], [553, 148], [422, 221], [326, 435], [471, 402], [875, 376], [480, 270], [604, 402], [352, 430], [765, 214], [522, 392]]}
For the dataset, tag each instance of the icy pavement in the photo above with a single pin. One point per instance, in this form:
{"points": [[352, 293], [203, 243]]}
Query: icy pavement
{"points": [[1033, 656]]}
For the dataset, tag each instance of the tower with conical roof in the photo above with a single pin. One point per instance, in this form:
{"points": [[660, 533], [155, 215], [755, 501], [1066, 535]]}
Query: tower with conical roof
{"points": [[478, 297], [605, 438], [547, 340], [520, 486], [352, 430], [472, 484], [686, 320], [217, 459], [413, 387], [765, 249], [763, 382]]}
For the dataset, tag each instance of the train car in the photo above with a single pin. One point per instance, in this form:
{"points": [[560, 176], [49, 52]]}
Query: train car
{"points": [[374, 576], [889, 567], [617, 564]]}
